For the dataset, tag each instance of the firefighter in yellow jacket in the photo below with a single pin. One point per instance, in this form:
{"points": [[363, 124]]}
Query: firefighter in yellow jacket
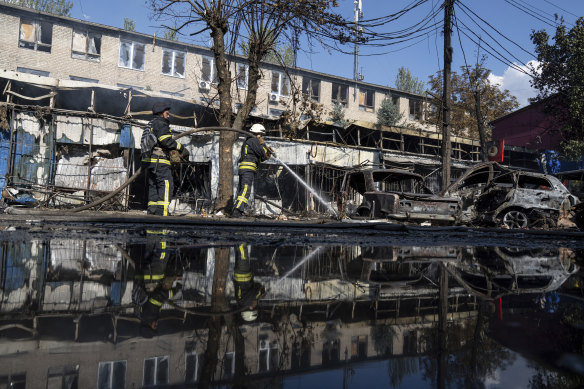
{"points": [[253, 151], [160, 184]]}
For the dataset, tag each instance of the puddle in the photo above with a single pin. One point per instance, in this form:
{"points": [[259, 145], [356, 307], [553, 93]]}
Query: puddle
{"points": [[125, 307]]}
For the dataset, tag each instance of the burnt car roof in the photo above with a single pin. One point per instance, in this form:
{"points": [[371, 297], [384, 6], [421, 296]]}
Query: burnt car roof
{"points": [[399, 174]]}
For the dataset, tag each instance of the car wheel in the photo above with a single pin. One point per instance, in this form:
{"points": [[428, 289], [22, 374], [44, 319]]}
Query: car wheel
{"points": [[515, 218]]}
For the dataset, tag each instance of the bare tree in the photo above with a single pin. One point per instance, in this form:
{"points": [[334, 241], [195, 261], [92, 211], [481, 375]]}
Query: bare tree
{"points": [[259, 23]]}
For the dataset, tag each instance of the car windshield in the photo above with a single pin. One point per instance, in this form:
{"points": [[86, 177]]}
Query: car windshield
{"points": [[396, 182]]}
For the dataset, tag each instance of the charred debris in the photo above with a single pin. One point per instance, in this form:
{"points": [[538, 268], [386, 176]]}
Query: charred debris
{"points": [[66, 143]]}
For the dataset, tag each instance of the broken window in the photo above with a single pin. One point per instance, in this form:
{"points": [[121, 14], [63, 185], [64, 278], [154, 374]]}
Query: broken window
{"points": [[209, 70], [340, 94], [155, 371], [35, 35], [280, 84], [311, 88], [530, 182], [132, 55], [86, 45], [415, 109], [366, 100], [111, 375], [63, 377], [173, 63], [242, 75]]}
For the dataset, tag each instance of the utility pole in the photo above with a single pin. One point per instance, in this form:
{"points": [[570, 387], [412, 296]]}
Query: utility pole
{"points": [[446, 146], [356, 75]]}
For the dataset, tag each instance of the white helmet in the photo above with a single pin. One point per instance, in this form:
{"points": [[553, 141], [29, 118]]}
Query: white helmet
{"points": [[249, 315], [257, 129]]}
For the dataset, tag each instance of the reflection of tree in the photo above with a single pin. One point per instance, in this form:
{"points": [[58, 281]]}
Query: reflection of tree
{"points": [[398, 368], [472, 355], [383, 339], [545, 379]]}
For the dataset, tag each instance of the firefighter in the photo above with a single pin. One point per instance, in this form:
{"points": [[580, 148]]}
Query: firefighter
{"points": [[253, 151], [247, 291], [154, 280], [160, 184]]}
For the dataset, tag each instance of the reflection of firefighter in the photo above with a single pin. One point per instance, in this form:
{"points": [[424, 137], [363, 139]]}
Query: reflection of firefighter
{"points": [[154, 281], [247, 291], [253, 151], [158, 171]]}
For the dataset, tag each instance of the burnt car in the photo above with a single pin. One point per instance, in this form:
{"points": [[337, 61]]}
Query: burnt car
{"points": [[394, 194], [492, 194]]}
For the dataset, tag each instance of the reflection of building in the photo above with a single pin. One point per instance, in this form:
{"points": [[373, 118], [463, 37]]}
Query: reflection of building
{"points": [[72, 320], [179, 357]]}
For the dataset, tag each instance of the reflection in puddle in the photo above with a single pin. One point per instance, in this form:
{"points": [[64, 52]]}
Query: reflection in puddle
{"points": [[160, 312]]}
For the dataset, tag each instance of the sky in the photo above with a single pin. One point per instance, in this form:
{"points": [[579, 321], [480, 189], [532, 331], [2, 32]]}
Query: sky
{"points": [[493, 22]]}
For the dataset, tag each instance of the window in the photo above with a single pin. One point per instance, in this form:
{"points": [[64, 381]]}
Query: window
{"points": [[276, 112], [269, 356], [191, 367], [86, 45], [63, 377], [366, 100], [228, 365], [111, 375], [156, 371], [32, 71], [208, 70], [359, 347], [126, 86], [132, 55], [173, 63], [311, 88], [415, 109], [35, 35], [531, 182], [13, 381], [395, 100], [280, 84], [84, 79], [242, 75], [174, 94], [340, 94]]}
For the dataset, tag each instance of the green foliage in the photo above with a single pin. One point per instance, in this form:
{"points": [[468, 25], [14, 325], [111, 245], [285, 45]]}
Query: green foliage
{"points": [[494, 103], [338, 114], [560, 78], [129, 24], [406, 82], [57, 7], [169, 34], [279, 54], [388, 113]]}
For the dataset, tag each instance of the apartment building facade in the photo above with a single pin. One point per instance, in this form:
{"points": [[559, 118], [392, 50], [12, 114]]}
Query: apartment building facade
{"points": [[66, 48]]}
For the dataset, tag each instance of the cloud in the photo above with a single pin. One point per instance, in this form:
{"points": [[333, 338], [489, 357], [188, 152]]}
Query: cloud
{"points": [[516, 82]]}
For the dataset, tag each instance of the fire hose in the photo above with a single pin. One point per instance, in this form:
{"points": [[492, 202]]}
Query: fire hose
{"points": [[105, 198]]}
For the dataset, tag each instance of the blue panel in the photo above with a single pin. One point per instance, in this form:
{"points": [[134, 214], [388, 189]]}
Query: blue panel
{"points": [[4, 151], [126, 137]]}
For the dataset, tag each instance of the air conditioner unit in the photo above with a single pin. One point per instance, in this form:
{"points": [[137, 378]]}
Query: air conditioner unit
{"points": [[205, 85], [274, 98]]}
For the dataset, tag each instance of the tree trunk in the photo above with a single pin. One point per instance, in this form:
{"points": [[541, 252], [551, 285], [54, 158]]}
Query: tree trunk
{"points": [[226, 139]]}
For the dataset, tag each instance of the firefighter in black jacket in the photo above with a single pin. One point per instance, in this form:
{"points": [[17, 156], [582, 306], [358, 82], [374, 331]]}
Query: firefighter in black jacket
{"points": [[253, 151], [247, 291], [154, 278], [158, 169]]}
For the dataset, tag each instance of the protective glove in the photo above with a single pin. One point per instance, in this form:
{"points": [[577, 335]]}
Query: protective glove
{"points": [[175, 156]]}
